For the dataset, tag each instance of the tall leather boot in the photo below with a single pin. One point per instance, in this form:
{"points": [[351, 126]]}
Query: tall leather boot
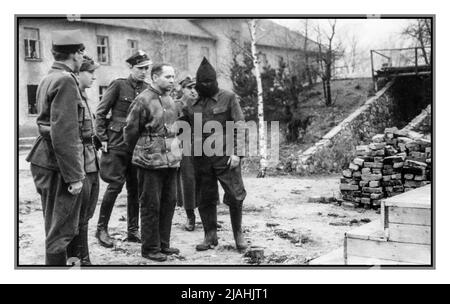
{"points": [[106, 208], [236, 224], [84, 248], [73, 249], [190, 223], [56, 259], [209, 219], [133, 218]]}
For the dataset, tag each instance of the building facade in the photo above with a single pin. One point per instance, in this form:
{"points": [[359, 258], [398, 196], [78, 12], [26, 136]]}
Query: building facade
{"points": [[181, 42]]}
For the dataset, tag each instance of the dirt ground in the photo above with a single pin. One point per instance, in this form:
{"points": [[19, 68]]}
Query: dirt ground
{"points": [[277, 217]]}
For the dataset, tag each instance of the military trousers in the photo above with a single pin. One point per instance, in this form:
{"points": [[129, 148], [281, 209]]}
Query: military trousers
{"points": [[64, 214], [186, 183], [116, 169], [157, 197], [209, 170]]}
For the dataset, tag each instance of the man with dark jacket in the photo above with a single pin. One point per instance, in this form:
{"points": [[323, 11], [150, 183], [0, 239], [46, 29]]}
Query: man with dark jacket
{"points": [[151, 130], [79, 247], [58, 159], [115, 163], [221, 106]]}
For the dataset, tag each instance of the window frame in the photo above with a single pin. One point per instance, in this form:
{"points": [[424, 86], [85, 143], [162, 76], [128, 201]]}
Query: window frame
{"points": [[37, 47], [203, 48], [183, 62], [101, 91], [107, 48], [29, 86], [131, 50]]}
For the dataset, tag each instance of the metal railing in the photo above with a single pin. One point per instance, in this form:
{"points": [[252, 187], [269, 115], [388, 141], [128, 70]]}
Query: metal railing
{"points": [[400, 60]]}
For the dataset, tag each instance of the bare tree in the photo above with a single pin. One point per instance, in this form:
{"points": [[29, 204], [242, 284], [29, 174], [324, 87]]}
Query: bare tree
{"points": [[162, 43], [306, 53], [326, 58], [353, 53], [420, 31]]}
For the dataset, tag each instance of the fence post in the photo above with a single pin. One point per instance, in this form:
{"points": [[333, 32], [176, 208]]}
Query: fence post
{"points": [[373, 72], [415, 51]]}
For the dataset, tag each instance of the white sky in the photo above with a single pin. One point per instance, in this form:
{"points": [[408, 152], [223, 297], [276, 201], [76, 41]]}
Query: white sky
{"points": [[371, 33]]}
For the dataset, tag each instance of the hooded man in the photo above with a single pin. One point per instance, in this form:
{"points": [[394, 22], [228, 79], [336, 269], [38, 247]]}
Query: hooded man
{"points": [[219, 105]]}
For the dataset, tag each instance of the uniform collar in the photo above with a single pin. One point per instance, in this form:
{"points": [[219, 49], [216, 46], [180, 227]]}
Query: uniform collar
{"points": [[215, 97], [61, 66], [134, 83], [154, 90]]}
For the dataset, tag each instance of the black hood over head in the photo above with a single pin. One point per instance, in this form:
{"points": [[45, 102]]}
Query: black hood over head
{"points": [[206, 85]]}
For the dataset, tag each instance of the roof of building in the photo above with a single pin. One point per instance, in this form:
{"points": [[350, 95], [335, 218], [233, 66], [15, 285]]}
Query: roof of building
{"points": [[272, 34], [269, 34], [170, 26]]}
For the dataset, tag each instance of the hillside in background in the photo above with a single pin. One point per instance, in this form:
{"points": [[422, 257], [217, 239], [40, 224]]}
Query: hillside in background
{"points": [[348, 95]]}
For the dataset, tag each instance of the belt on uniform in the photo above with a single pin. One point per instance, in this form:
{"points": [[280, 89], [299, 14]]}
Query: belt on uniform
{"points": [[119, 118], [157, 134]]}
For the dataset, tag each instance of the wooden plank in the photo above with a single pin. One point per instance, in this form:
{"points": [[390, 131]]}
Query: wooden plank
{"points": [[365, 232], [356, 260], [417, 198], [402, 252], [335, 257], [412, 216], [410, 234]]}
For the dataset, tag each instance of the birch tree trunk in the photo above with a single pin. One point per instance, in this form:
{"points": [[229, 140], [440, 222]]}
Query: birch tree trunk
{"points": [[261, 129]]}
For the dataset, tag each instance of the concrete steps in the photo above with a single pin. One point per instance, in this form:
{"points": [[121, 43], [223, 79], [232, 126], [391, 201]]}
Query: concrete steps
{"points": [[401, 237]]}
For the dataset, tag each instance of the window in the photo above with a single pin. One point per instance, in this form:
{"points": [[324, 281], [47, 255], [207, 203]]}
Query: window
{"points": [[32, 106], [101, 92], [205, 52], [281, 62], [132, 46], [262, 58], [158, 55], [102, 49], [32, 45], [183, 57]]}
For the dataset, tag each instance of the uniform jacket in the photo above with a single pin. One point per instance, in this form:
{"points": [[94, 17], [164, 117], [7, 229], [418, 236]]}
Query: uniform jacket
{"points": [[87, 132], [222, 107], [59, 146], [151, 130], [117, 99]]}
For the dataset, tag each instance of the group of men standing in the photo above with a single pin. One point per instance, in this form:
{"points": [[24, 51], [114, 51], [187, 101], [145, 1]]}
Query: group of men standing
{"points": [[136, 130]]}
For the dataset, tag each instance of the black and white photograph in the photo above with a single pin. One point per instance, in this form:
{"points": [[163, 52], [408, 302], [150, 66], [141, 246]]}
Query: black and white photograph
{"points": [[234, 141]]}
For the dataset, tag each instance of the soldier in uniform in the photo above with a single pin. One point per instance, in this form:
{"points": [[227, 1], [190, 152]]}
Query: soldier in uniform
{"points": [[217, 105], [58, 160], [151, 128], [115, 163], [89, 195], [186, 174]]}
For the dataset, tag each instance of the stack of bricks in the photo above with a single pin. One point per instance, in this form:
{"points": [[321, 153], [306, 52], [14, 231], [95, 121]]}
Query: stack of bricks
{"points": [[395, 162]]}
